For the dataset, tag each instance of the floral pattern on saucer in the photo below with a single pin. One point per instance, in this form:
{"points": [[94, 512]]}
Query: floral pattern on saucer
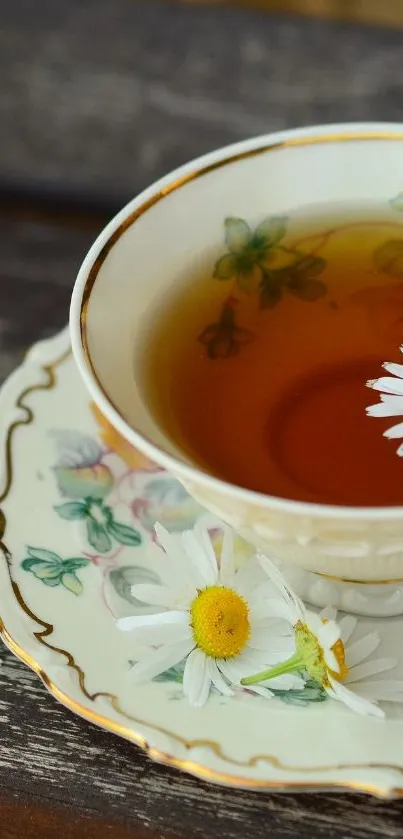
{"points": [[110, 504]]}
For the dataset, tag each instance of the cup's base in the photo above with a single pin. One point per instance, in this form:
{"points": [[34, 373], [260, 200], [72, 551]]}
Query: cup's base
{"points": [[380, 600]]}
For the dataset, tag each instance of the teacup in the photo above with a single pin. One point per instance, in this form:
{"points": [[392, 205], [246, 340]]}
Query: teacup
{"points": [[349, 557]]}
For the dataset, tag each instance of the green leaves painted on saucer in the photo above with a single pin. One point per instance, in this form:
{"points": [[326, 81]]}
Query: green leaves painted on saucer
{"points": [[52, 570], [102, 528]]}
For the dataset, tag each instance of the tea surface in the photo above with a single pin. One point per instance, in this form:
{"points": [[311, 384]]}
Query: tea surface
{"points": [[258, 368]]}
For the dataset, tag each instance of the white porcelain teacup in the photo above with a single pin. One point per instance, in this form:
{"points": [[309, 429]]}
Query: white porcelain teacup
{"points": [[345, 556]]}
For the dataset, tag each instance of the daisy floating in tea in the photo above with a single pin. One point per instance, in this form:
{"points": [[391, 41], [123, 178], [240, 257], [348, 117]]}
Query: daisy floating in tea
{"points": [[391, 404]]}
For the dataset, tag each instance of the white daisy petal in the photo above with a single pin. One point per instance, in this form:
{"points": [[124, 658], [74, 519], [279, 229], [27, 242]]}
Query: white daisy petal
{"points": [[390, 406], [252, 657], [249, 578], [177, 563], [157, 636], [348, 624], [197, 557], [272, 608], [234, 669], [217, 679], [201, 572], [394, 369], [314, 623], [204, 691], [386, 690], [247, 663], [361, 649], [158, 661], [196, 679], [395, 432], [357, 703], [388, 384], [331, 661], [260, 691], [162, 619], [233, 672], [263, 638], [227, 562], [370, 668], [158, 560], [202, 536], [275, 576], [267, 590], [277, 627], [166, 540], [391, 400], [328, 614], [329, 634], [153, 595], [198, 554], [193, 672]]}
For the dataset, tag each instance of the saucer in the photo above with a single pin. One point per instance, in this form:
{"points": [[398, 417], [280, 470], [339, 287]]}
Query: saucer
{"points": [[77, 511]]}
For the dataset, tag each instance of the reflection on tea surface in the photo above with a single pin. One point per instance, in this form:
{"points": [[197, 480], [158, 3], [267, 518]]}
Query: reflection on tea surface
{"points": [[258, 368]]}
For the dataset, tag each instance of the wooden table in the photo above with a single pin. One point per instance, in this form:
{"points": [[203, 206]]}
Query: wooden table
{"points": [[97, 99]]}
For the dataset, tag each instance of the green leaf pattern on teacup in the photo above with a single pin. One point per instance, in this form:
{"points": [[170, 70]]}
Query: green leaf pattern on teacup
{"points": [[225, 338], [259, 263], [388, 258]]}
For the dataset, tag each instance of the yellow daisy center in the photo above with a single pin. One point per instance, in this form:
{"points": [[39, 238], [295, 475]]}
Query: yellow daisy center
{"points": [[340, 653], [220, 622]]}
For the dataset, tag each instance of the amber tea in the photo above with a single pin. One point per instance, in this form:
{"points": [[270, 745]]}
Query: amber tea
{"points": [[258, 368]]}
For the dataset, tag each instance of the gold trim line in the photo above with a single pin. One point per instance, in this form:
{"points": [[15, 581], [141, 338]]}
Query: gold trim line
{"points": [[335, 579]]}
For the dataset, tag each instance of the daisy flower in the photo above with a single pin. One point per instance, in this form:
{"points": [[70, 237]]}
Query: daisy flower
{"points": [[391, 404], [218, 619], [327, 651]]}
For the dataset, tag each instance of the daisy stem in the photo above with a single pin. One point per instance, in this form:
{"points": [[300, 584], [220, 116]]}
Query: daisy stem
{"points": [[293, 664]]}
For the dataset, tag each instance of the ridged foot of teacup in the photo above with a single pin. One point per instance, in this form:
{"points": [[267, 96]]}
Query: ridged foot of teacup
{"points": [[381, 599]]}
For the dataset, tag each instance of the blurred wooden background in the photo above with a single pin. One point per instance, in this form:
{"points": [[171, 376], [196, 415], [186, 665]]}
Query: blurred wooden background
{"points": [[381, 12]]}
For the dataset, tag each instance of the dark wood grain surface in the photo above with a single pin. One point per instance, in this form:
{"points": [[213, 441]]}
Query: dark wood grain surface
{"points": [[102, 96], [98, 98], [388, 13]]}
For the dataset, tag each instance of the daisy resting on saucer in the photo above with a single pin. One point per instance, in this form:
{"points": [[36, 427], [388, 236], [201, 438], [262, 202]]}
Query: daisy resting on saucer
{"points": [[223, 622], [327, 652], [391, 404]]}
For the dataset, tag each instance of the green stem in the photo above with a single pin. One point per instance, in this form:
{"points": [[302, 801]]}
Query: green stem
{"points": [[292, 665]]}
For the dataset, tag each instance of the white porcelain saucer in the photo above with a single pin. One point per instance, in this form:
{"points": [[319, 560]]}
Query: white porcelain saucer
{"points": [[76, 519]]}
